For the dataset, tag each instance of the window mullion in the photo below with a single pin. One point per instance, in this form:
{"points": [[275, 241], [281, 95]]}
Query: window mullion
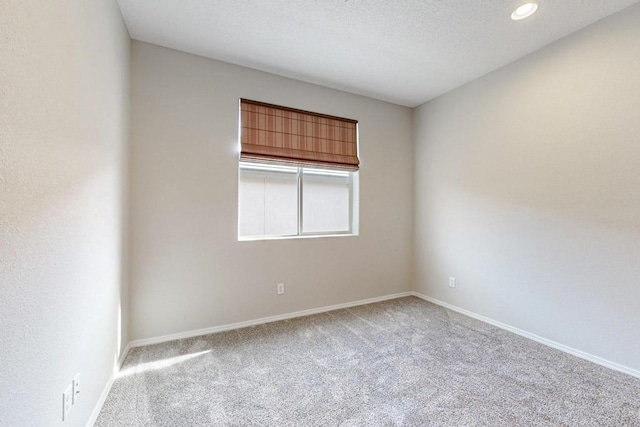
{"points": [[299, 201]]}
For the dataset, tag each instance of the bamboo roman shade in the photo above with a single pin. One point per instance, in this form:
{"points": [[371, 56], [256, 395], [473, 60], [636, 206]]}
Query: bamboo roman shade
{"points": [[273, 134]]}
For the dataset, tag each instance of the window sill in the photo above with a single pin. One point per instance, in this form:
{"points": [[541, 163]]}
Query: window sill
{"points": [[307, 236]]}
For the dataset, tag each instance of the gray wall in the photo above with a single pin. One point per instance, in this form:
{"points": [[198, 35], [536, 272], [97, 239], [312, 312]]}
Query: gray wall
{"points": [[64, 109], [188, 270], [528, 192]]}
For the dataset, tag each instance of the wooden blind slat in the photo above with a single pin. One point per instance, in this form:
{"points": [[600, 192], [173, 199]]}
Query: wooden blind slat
{"points": [[274, 134]]}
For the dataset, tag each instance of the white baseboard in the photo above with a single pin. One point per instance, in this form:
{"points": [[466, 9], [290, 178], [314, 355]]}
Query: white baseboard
{"points": [[541, 340], [263, 320], [107, 387]]}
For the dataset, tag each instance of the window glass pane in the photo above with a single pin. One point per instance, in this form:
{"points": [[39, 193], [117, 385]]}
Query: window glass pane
{"points": [[325, 201], [268, 202]]}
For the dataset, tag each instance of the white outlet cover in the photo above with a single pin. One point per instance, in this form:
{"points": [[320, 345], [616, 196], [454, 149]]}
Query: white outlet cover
{"points": [[67, 402], [452, 282], [280, 288], [76, 389]]}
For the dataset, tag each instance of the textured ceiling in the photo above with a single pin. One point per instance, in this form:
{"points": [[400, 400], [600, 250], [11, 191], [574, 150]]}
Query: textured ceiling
{"points": [[403, 51]]}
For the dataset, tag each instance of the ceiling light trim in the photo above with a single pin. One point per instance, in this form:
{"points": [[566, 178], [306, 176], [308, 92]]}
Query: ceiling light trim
{"points": [[525, 10]]}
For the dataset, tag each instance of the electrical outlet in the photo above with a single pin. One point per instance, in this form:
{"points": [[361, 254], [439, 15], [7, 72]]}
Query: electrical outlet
{"points": [[67, 402], [280, 288], [76, 388], [452, 282]]}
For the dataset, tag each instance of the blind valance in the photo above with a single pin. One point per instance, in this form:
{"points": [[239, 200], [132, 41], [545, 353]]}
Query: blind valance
{"points": [[274, 134]]}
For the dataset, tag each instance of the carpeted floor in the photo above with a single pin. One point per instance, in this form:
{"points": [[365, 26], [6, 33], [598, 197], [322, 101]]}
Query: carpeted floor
{"points": [[403, 362]]}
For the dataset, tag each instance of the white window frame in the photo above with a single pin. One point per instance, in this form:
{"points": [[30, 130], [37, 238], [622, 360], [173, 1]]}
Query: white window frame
{"points": [[353, 208]]}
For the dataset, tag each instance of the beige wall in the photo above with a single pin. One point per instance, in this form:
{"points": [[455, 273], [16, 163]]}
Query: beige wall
{"points": [[188, 269], [528, 192], [64, 81]]}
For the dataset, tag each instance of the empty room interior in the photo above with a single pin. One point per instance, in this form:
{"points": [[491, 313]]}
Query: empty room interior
{"points": [[319, 213]]}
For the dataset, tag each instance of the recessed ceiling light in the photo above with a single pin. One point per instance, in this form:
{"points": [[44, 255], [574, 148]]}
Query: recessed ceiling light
{"points": [[524, 11]]}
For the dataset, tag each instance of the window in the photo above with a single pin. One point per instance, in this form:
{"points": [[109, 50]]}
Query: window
{"points": [[326, 201], [268, 201], [286, 201], [297, 173]]}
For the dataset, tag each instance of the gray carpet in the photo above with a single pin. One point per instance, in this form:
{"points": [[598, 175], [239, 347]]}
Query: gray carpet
{"points": [[403, 362]]}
